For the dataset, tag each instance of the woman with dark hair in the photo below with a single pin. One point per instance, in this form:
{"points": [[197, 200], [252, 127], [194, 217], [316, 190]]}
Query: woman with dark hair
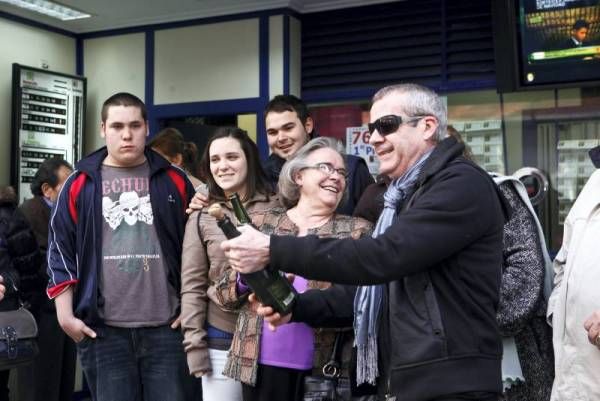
{"points": [[170, 144], [51, 376], [231, 165]]}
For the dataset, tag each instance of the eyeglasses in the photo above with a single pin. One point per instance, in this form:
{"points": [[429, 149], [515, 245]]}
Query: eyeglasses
{"points": [[389, 124], [328, 169]]}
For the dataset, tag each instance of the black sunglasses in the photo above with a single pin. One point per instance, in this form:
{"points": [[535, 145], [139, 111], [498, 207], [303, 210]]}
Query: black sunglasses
{"points": [[389, 124]]}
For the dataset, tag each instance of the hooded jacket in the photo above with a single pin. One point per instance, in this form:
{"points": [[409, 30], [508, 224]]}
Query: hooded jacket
{"points": [[75, 230]]}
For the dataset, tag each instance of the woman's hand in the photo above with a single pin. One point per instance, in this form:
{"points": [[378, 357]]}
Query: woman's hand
{"points": [[592, 325], [274, 319], [198, 202], [249, 252]]}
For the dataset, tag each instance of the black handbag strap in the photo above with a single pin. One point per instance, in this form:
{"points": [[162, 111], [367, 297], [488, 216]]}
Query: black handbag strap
{"points": [[333, 367]]}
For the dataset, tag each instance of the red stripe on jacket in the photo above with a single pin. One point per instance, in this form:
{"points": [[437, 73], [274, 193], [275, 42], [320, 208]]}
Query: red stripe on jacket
{"points": [[55, 291], [179, 182], [74, 191]]}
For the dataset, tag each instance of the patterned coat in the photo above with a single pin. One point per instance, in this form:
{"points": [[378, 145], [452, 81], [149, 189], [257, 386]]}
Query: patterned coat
{"points": [[242, 361], [522, 305]]}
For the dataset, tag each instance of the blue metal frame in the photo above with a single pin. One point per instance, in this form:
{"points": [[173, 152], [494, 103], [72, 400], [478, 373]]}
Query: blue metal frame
{"points": [[248, 105], [192, 22], [263, 79], [149, 82], [79, 64]]}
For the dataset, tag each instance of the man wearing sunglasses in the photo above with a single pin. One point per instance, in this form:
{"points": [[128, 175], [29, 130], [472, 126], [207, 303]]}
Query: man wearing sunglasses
{"points": [[425, 312]]}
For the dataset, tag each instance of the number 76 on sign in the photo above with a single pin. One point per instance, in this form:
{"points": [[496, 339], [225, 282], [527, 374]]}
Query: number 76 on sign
{"points": [[357, 144]]}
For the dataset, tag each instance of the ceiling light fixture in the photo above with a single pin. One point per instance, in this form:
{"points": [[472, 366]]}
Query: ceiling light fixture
{"points": [[49, 8]]}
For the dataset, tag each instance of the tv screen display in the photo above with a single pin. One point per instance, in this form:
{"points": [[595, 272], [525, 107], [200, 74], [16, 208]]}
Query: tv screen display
{"points": [[559, 41]]}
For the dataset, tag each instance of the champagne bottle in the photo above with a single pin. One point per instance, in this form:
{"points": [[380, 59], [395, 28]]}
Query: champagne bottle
{"points": [[270, 286]]}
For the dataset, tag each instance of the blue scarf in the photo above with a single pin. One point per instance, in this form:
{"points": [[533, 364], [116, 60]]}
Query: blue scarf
{"points": [[368, 299]]}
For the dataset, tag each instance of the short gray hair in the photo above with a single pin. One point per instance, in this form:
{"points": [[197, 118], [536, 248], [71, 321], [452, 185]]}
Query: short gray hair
{"points": [[422, 102], [289, 191]]}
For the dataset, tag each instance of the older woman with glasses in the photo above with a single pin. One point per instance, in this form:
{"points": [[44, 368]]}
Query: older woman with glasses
{"points": [[272, 364]]}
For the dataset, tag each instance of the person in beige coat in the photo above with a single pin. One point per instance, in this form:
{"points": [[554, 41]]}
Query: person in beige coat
{"points": [[574, 306], [231, 165]]}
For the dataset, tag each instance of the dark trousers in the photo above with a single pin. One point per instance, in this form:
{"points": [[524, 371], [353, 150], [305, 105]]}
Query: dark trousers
{"points": [[276, 384], [4, 375], [51, 376], [136, 364]]}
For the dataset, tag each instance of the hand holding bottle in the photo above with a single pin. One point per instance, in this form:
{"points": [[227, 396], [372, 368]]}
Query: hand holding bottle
{"points": [[269, 285], [271, 317], [249, 252]]}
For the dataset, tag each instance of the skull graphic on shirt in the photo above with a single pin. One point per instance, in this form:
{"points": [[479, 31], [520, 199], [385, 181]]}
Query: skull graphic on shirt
{"points": [[130, 207]]}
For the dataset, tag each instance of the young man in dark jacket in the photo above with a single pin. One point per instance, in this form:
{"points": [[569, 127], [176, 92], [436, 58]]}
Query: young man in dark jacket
{"points": [[425, 316], [289, 127], [114, 261]]}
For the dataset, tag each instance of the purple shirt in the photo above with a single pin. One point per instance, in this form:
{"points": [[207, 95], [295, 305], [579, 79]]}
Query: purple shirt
{"points": [[291, 345]]}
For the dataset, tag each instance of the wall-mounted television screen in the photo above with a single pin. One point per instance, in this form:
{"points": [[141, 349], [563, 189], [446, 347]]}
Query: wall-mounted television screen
{"points": [[559, 41]]}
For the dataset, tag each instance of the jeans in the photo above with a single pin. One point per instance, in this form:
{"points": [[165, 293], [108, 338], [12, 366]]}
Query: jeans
{"points": [[136, 364], [215, 386]]}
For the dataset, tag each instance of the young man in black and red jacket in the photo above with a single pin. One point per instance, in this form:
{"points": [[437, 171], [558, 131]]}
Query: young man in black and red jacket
{"points": [[114, 256]]}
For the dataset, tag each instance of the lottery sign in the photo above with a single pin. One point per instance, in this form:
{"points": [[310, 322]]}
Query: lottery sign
{"points": [[357, 144]]}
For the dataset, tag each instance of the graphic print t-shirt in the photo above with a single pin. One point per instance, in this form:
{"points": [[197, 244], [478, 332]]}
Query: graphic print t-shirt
{"points": [[133, 280]]}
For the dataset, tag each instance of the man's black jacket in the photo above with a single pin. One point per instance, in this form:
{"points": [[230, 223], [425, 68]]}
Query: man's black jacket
{"points": [[441, 262]]}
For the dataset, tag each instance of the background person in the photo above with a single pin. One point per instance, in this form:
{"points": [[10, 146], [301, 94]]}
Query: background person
{"points": [[51, 376], [169, 143], [272, 365], [528, 363], [578, 36], [574, 304], [20, 261], [527, 360], [231, 165]]}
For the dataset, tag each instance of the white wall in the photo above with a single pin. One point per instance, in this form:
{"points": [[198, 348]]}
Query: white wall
{"points": [[275, 55], [207, 62], [28, 46], [111, 64]]}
